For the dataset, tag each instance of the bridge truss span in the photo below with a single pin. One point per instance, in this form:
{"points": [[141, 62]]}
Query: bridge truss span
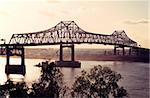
{"points": [[68, 32]]}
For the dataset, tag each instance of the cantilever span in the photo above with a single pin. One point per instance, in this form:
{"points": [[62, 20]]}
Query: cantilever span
{"points": [[68, 32]]}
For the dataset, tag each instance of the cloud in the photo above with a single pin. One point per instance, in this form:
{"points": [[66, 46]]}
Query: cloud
{"points": [[137, 22]]}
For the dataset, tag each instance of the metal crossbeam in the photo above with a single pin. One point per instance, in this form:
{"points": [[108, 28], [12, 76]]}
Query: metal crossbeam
{"points": [[68, 32]]}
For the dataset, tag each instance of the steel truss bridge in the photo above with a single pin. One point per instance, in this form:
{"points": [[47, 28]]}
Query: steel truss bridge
{"points": [[65, 34], [68, 32]]}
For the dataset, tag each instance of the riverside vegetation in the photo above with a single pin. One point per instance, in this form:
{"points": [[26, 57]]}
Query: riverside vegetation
{"points": [[99, 82]]}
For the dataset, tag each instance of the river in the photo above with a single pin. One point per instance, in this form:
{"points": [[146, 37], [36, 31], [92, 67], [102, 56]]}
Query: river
{"points": [[135, 74]]}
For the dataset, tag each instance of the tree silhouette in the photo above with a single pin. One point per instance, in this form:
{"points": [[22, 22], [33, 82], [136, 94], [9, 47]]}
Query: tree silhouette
{"points": [[100, 82], [19, 90], [50, 83], [14, 90]]}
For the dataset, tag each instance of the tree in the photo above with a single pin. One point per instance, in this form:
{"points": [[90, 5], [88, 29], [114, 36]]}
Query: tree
{"points": [[14, 90], [50, 83], [100, 82], [19, 90]]}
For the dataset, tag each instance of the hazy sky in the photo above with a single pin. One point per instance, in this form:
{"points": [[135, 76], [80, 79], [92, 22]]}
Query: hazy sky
{"points": [[100, 16]]}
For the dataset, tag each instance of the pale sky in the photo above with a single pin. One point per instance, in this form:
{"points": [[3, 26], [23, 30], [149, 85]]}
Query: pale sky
{"points": [[99, 16]]}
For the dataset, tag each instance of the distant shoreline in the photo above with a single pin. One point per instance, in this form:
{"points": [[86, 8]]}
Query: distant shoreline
{"points": [[101, 58], [83, 54], [104, 58]]}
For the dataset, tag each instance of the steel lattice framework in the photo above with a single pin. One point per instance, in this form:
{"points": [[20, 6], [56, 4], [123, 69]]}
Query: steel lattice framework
{"points": [[68, 32]]}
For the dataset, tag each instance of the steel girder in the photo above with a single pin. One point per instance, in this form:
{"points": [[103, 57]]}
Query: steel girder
{"points": [[69, 32]]}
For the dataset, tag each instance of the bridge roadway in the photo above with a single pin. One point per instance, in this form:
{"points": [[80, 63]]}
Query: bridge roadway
{"points": [[65, 34]]}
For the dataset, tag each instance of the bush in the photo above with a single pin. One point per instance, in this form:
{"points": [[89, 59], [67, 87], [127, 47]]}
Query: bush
{"points": [[100, 82]]}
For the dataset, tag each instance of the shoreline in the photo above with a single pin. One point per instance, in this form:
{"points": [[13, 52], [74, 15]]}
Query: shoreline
{"points": [[102, 58], [128, 58]]}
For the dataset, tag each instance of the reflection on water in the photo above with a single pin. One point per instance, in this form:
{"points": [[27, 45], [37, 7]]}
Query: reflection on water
{"points": [[16, 77], [135, 75]]}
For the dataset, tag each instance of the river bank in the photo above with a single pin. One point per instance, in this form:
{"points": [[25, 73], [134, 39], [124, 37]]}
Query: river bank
{"points": [[84, 55], [102, 58]]}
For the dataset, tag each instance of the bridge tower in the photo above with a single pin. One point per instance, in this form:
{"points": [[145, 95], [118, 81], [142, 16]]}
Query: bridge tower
{"points": [[14, 68]]}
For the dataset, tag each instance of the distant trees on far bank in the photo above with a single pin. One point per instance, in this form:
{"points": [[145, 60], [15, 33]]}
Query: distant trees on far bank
{"points": [[100, 82]]}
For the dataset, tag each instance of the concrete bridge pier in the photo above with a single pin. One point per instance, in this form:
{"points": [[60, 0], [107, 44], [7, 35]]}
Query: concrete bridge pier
{"points": [[15, 68], [130, 51], [71, 46], [123, 51], [115, 49], [67, 63]]}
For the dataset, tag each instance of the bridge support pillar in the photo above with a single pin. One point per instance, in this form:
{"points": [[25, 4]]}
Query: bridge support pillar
{"points": [[129, 51], [71, 46], [72, 52], [67, 63], [117, 53], [115, 50], [7, 55], [61, 53], [22, 57], [123, 51], [12, 68]]}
